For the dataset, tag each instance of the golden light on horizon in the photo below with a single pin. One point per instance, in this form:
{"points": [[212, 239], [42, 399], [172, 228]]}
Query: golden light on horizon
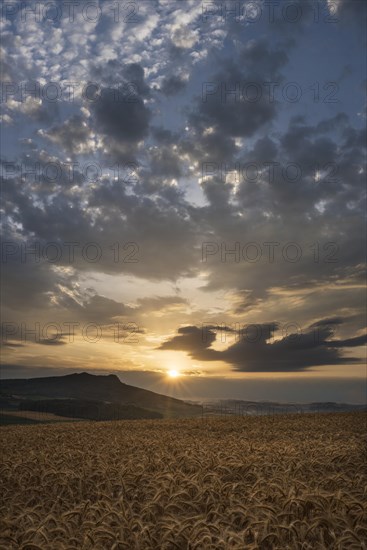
{"points": [[173, 373]]}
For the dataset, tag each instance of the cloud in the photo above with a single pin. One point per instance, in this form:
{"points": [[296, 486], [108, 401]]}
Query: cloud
{"points": [[121, 115], [73, 136], [149, 110], [190, 339], [255, 352], [348, 11], [233, 101], [97, 309], [172, 85], [329, 322], [51, 342]]}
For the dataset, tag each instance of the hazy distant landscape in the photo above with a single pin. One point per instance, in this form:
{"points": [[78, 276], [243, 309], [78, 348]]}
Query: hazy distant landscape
{"points": [[91, 397]]}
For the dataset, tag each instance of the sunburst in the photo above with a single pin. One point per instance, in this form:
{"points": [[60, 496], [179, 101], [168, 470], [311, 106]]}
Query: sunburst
{"points": [[173, 373]]}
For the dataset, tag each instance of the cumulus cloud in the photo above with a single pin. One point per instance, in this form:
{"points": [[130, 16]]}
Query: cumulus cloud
{"points": [[121, 115], [73, 136]]}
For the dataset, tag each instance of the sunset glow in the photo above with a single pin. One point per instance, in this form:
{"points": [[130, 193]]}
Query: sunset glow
{"points": [[173, 373]]}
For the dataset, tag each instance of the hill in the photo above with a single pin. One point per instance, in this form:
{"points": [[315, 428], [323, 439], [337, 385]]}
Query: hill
{"points": [[100, 388]]}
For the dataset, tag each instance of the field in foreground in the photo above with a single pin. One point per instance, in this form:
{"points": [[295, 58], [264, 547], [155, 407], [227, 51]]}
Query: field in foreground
{"points": [[283, 482]]}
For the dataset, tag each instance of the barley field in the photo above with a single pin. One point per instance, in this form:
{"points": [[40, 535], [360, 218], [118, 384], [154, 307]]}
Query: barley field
{"points": [[283, 482]]}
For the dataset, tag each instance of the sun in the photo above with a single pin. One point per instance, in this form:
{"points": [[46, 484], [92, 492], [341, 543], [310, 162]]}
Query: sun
{"points": [[173, 373]]}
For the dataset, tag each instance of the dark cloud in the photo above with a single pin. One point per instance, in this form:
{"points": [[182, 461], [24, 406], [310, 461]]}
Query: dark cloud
{"points": [[338, 122], [114, 74], [349, 342], [351, 11], [234, 100], [189, 339], [254, 352], [98, 308], [263, 60], [121, 114], [133, 74], [26, 289], [328, 322], [231, 118], [213, 147], [51, 342], [172, 85], [164, 162]]}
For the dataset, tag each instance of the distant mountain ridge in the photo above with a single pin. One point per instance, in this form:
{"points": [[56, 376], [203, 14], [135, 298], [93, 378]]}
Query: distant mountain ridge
{"points": [[251, 408], [104, 388]]}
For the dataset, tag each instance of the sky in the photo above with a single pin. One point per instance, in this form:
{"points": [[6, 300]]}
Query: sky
{"points": [[183, 195]]}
